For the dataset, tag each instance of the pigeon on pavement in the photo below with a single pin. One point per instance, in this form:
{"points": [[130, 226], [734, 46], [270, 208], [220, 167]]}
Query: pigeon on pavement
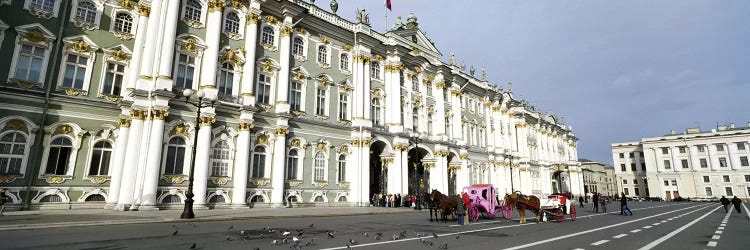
{"points": [[230, 228], [330, 235], [194, 245], [434, 235], [353, 242], [175, 232]]}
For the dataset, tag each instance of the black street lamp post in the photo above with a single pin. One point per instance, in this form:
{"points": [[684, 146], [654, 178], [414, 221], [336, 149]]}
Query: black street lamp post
{"points": [[417, 162], [187, 212]]}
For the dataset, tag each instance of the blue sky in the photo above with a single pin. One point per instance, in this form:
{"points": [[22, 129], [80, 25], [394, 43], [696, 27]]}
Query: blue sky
{"points": [[616, 71]]}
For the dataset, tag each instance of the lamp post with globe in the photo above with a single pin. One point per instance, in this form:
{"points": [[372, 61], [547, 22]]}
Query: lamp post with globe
{"points": [[199, 100]]}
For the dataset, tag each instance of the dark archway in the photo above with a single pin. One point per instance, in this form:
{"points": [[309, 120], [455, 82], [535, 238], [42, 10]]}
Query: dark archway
{"points": [[377, 172], [415, 156], [451, 175], [559, 182]]}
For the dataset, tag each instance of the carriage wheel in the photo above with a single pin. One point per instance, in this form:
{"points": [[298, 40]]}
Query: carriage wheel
{"points": [[573, 213], [507, 212], [473, 213], [559, 215]]}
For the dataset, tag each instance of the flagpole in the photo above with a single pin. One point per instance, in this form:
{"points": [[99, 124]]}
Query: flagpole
{"points": [[386, 18]]}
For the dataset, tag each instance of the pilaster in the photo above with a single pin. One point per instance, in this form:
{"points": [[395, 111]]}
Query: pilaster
{"points": [[202, 153], [239, 178], [153, 166], [251, 38], [282, 88], [211, 54], [125, 197], [277, 166], [118, 161]]}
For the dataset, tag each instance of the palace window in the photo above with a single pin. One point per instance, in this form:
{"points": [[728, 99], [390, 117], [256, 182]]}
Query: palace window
{"points": [[123, 23], [722, 162], [175, 156], [113, 78], [415, 120], [232, 23], [12, 153], [726, 178], [414, 83], [58, 159], [43, 5], [221, 159], [708, 192], [743, 161], [706, 179], [719, 147], [375, 70], [343, 106], [31, 63], [263, 89], [448, 131], [259, 162], [701, 148], [376, 111], [429, 89], [684, 163], [728, 190], [320, 167], [298, 46], [704, 163], [295, 96], [226, 79], [267, 37], [625, 190], [342, 169], [192, 11], [75, 71], [320, 101], [740, 146], [86, 12], [667, 164], [622, 155], [401, 79], [664, 150], [344, 63], [292, 165], [322, 54], [185, 71], [682, 150], [632, 167], [446, 96], [100, 158]]}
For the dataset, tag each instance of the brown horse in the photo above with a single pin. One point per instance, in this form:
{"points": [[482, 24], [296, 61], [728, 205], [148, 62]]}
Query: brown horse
{"points": [[445, 204], [523, 203]]}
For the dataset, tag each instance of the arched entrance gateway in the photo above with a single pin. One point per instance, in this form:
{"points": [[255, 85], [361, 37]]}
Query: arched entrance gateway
{"points": [[378, 174], [419, 177], [560, 182]]}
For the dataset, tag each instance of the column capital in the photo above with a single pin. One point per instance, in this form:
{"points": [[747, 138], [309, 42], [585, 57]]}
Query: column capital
{"points": [[215, 5], [124, 123], [144, 10], [138, 114], [206, 121], [245, 126], [252, 19], [158, 114], [281, 131]]}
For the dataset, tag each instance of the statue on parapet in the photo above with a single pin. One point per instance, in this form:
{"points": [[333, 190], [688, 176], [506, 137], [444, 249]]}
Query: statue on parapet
{"points": [[452, 60], [398, 24], [484, 74], [471, 70], [363, 17]]}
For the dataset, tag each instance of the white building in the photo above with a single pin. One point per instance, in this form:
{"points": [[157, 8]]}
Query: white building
{"points": [[694, 164]]}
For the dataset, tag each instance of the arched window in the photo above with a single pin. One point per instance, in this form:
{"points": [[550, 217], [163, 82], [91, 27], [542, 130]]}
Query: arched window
{"points": [[257, 198], [292, 165], [344, 61], [375, 70], [259, 162], [193, 11], [415, 83], [415, 119], [75, 71], [123, 23], [226, 79], [320, 167], [175, 156], [267, 36], [86, 12], [298, 46], [319, 199], [100, 157], [59, 156], [322, 54], [95, 198], [232, 23], [341, 169], [171, 199], [263, 89], [220, 159], [12, 151], [320, 101], [295, 96], [44, 5], [376, 110]]}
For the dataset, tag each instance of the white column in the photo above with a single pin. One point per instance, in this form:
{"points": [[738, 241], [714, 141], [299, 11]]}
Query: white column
{"points": [[352, 175], [714, 161], [203, 150], [392, 96], [462, 177], [282, 88], [164, 80], [438, 123], [676, 164], [456, 112], [364, 171], [441, 167], [135, 60], [117, 162], [277, 167], [404, 169], [132, 152], [153, 166], [248, 70], [239, 175], [733, 160], [694, 160], [358, 100], [211, 54], [149, 50]]}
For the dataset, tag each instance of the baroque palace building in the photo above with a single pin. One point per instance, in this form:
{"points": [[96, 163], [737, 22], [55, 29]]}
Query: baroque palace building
{"points": [[693, 164], [312, 109]]}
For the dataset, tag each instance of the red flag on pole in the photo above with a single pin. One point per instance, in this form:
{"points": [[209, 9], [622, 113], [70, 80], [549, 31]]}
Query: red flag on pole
{"points": [[388, 4]]}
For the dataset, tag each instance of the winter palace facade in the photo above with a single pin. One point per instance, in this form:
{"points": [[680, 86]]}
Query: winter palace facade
{"points": [[692, 164], [300, 106]]}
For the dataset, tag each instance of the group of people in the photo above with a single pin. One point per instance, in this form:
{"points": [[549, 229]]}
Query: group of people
{"points": [[735, 201], [392, 200], [462, 205], [599, 200]]}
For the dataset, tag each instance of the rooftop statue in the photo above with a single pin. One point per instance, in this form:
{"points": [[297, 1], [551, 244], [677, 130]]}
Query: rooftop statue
{"points": [[471, 70], [452, 59], [398, 24], [484, 74], [362, 16], [463, 66]]}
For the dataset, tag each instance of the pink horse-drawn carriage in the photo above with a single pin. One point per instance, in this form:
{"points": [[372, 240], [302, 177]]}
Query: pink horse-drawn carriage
{"points": [[483, 199]]}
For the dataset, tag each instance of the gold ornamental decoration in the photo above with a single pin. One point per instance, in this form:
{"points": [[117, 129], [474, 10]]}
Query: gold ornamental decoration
{"points": [[294, 183], [144, 10], [174, 179], [215, 5], [35, 36], [230, 56], [302, 31], [98, 179], [321, 184], [262, 140], [281, 131], [180, 130], [54, 179], [157, 114], [347, 47], [286, 31], [63, 129], [221, 181], [252, 18], [377, 58], [16, 124], [127, 4], [245, 126], [343, 149], [428, 165], [260, 181], [138, 114], [325, 40], [296, 143], [124, 123], [320, 146], [190, 45], [464, 157], [344, 184], [237, 4], [271, 20], [207, 121], [72, 92], [7, 178], [119, 55], [387, 161]]}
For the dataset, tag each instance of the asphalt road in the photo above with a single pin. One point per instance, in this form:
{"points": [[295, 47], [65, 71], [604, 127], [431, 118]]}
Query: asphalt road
{"points": [[655, 225]]}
